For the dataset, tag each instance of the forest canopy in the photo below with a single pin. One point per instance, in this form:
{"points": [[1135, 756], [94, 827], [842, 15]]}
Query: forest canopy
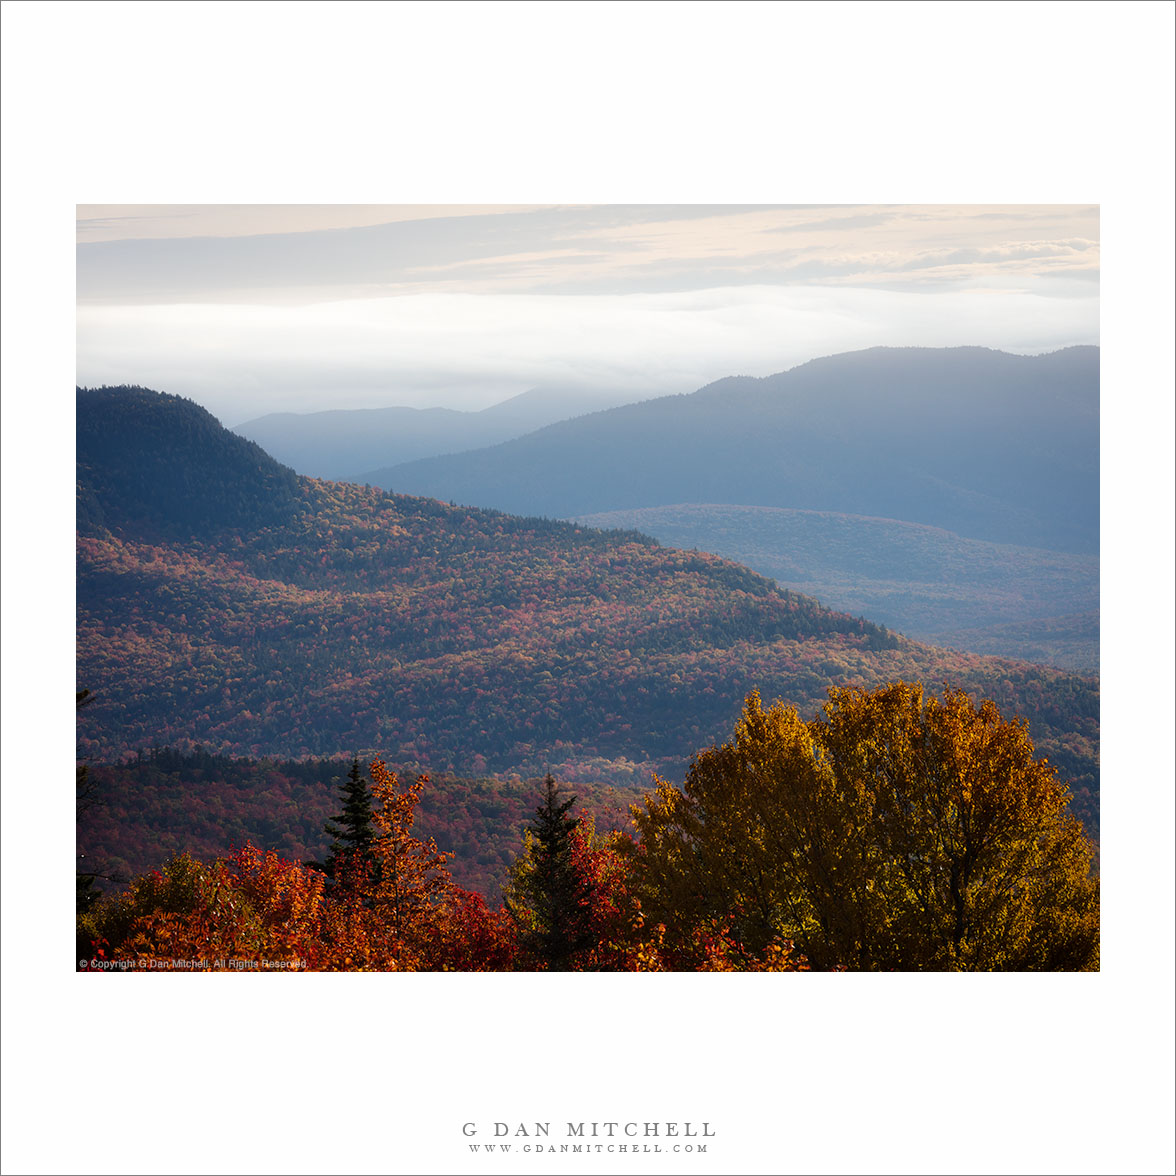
{"points": [[896, 831]]}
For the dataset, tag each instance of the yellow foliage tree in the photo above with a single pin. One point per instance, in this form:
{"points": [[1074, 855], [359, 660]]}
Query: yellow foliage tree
{"points": [[897, 831]]}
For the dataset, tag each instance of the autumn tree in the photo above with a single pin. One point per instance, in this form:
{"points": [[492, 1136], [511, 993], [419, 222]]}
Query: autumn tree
{"points": [[254, 907], [983, 866], [896, 831], [248, 910], [411, 880], [466, 935], [713, 859], [253, 910], [546, 895]]}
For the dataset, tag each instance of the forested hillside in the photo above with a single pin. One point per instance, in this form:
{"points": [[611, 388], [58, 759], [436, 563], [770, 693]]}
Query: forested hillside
{"points": [[928, 583], [156, 465], [225, 603]]}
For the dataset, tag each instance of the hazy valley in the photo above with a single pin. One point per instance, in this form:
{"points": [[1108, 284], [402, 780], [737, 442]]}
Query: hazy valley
{"points": [[928, 583]]}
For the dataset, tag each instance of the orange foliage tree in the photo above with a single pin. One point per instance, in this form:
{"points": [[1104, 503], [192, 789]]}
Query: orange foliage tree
{"points": [[249, 908], [253, 910]]}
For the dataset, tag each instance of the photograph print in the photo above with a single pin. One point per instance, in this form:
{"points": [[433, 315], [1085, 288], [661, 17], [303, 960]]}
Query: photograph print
{"points": [[587, 588]]}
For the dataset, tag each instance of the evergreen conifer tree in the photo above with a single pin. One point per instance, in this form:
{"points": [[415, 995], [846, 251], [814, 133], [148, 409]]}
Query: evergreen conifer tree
{"points": [[546, 896], [351, 831]]}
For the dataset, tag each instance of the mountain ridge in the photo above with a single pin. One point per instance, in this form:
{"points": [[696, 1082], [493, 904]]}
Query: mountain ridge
{"points": [[345, 443], [158, 461], [983, 443]]}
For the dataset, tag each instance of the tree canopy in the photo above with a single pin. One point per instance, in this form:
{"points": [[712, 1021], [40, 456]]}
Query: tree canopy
{"points": [[896, 831]]}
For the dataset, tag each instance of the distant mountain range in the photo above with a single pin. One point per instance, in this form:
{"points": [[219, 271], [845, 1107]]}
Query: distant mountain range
{"points": [[348, 443], [888, 470], [225, 603], [987, 445]]}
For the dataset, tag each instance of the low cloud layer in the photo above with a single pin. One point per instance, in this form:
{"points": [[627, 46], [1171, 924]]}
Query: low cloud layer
{"points": [[468, 351]]}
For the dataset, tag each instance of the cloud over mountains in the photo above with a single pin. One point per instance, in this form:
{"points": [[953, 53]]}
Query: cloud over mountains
{"points": [[467, 309]]}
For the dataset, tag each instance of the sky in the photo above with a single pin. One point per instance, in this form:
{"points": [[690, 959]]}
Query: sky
{"points": [[250, 309]]}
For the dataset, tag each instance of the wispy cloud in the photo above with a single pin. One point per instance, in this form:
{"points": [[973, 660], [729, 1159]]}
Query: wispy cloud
{"points": [[156, 222], [603, 249]]}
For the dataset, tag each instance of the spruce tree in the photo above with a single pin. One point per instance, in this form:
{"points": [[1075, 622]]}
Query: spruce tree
{"points": [[546, 895], [351, 831]]}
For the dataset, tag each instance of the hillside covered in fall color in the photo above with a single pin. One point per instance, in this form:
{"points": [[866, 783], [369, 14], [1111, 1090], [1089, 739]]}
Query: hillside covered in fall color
{"points": [[1028, 603], [228, 607], [225, 602], [164, 803], [949, 493]]}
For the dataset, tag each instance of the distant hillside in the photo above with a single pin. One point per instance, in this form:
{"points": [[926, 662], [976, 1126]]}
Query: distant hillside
{"points": [[348, 443], [923, 581], [1069, 641], [990, 446], [349, 621]]}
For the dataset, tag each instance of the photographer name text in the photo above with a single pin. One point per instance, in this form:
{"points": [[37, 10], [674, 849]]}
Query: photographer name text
{"points": [[610, 1135]]}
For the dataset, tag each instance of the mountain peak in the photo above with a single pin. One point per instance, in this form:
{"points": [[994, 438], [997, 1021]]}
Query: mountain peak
{"points": [[155, 463]]}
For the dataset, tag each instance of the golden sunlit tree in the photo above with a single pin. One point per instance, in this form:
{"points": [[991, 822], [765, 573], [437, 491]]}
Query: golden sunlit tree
{"points": [[896, 831]]}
